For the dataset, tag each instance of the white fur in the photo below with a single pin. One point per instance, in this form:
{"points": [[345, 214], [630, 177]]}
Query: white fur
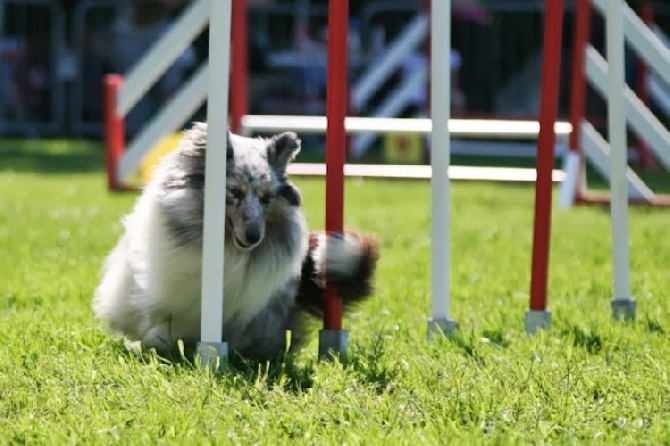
{"points": [[343, 254], [151, 284]]}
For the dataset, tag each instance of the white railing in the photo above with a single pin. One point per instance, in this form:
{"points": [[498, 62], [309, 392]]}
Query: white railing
{"points": [[458, 128], [392, 106], [163, 54], [393, 57], [170, 117], [643, 40], [605, 156], [658, 90], [641, 120], [146, 72]]}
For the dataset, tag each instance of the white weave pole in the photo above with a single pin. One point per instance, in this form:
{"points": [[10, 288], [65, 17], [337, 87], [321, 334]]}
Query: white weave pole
{"points": [[211, 349], [623, 306], [440, 98]]}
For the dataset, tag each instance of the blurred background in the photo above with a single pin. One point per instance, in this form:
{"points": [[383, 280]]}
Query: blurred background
{"points": [[53, 54]]}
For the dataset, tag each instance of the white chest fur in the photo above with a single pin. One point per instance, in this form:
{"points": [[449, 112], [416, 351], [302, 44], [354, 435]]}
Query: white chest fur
{"points": [[169, 273]]}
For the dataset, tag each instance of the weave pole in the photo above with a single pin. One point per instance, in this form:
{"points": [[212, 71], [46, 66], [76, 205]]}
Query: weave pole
{"points": [[115, 130], [440, 98], [239, 93], [333, 339], [623, 306], [538, 317], [211, 348]]}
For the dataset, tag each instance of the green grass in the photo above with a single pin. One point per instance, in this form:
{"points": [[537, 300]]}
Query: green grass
{"points": [[63, 380]]}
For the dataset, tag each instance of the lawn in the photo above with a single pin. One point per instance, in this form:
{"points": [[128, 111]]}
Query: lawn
{"points": [[64, 380]]}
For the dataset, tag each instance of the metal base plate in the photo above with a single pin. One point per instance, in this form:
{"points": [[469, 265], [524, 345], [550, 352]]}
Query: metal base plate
{"points": [[440, 327], [212, 354], [624, 309], [333, 344], [537, 320]]}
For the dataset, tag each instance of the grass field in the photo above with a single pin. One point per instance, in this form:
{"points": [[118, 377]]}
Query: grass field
{"points": [[63, 380]]}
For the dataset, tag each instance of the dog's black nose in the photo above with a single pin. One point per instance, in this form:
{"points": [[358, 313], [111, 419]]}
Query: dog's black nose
{"points": [[253, 235]]}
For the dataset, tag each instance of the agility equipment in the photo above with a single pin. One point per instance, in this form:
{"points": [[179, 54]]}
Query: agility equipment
{"points": [[538, 316], [440, 88], [212, 347], [333, 339], [584, 141]]}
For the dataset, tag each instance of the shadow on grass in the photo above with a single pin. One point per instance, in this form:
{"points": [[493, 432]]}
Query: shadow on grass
{"points": [[367, 361], [51, 156], [589, 340]]}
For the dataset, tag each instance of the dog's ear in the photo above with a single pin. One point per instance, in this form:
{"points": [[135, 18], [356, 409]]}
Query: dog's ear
{"points": [[282, 149]]}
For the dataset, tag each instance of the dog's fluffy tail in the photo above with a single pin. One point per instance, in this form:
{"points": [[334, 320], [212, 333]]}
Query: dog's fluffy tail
{"points": [[346, 260]]}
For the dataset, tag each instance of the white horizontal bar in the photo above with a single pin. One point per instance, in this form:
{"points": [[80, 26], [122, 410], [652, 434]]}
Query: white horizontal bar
{"points": [[472, 128], [424, 172], [642, 121], [162, 54], [171, 117], [597, 150]]}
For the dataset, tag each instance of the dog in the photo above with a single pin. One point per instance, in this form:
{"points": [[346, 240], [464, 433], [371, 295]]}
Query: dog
{"points": [[275, 268]]}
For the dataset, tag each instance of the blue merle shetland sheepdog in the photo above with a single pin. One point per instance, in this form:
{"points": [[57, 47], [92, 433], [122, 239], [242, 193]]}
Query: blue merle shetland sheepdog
{"points": [[275, 269]]}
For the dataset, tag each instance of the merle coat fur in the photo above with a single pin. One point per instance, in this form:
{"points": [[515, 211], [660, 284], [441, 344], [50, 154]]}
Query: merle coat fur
{"points": [[275, 269]]}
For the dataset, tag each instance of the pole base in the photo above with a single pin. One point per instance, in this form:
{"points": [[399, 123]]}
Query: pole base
{"points": [[212, 354], [537, 320], [440, 327], [624, 309], [333, 344]]}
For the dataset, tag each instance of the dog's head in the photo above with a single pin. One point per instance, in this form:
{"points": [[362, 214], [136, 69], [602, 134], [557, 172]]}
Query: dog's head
{"points": [[257, 188], [256, 184]]}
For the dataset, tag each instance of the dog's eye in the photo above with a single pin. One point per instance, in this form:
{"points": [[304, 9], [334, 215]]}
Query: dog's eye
{"points": [[235, 192], [265, 199]]}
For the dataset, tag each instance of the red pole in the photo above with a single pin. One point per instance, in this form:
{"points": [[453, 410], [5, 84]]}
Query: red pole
{"points": [[115, 129], [551, 64], [582, 35], [239, 95], [338, 17], [577, 112], [642, 87]]}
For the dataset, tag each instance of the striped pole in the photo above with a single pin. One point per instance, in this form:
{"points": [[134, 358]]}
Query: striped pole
{"points": [[333, 339], [440, 98], [211, 347]]}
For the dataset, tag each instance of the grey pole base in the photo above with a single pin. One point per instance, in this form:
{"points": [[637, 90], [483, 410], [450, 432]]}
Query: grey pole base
{"points": [[440, 327], [537, 320], [333, 344], [624, 309], [212, 354]]}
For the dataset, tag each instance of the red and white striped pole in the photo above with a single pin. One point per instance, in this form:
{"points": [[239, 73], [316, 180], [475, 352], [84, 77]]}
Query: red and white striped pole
{"points": [[333, 339], [538, 317]]}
